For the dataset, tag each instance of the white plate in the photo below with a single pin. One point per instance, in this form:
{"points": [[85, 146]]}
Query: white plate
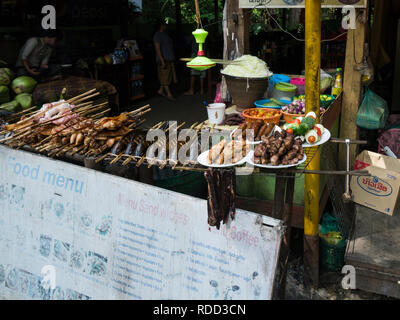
{"points": [[203, 160], [250, 161], [326, 136], [256, 142]]}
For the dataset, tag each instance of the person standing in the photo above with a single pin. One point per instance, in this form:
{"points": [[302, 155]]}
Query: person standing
{"points": [[34, 56], [165, 57]]}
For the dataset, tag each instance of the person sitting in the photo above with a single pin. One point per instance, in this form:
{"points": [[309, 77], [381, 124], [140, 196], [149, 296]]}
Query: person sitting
{"points": [[34, 56]]}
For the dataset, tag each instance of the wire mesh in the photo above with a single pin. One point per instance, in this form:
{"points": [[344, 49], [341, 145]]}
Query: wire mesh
{"points": [[342, 211]]}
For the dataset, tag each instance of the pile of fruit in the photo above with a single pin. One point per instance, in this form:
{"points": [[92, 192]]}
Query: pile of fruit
{"points": [[15, 93]]}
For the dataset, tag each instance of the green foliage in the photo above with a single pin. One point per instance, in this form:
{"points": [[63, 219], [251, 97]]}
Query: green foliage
{"points": [[166, 8]]}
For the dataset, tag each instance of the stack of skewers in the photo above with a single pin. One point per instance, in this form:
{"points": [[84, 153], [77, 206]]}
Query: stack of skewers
{"points": [[73, 126], [135, 148]]}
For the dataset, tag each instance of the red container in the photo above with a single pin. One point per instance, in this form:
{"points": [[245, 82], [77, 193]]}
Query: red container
{"points": [[301, 85]]}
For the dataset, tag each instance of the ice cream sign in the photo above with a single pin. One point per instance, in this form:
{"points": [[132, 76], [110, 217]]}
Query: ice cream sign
{"points": [[375, 186], [300, 3]]}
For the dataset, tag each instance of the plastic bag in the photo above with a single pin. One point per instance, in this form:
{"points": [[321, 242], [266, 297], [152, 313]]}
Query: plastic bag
{"points": [[218, 96], [326, 81], [329, 230], [373, 112]]}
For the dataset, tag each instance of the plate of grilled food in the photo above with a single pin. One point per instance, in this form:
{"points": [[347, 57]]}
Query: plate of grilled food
{"points": [[225, 154], [252, 132], [281, 150]]}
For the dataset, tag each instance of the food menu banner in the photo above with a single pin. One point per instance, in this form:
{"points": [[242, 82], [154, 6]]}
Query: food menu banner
{"points": [[299, 3], [67, 232]]}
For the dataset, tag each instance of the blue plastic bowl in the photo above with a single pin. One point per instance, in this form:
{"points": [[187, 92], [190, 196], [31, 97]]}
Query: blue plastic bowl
{"points": [[260, 103]]}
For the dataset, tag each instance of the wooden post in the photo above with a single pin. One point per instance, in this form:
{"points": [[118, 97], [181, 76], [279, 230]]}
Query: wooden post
{"points": [[352, 87], [312, 193], [237, 30]]}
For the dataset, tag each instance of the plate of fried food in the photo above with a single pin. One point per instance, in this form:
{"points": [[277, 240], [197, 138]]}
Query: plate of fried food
{"points": [[252, 132], [225, 154], [281, 150]]}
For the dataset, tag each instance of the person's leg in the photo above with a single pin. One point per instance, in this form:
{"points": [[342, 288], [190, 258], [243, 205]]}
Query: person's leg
{"points": [[169, 94], [169, 78], [190, 92], [161, 91], [161, 79]]}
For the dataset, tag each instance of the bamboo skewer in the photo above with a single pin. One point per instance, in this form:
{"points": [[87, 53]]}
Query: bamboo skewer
{"points": [[90, 106], [77, 98], [82, 105], [87, 97], [117, 158], [102, 157], [99, 115], [77, 149], [65, 150], [16, 115], [86, 113], [139, 110], [55, 150]]}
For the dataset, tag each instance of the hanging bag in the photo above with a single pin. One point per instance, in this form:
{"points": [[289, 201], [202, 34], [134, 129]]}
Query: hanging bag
{"points": [[373, 112]]}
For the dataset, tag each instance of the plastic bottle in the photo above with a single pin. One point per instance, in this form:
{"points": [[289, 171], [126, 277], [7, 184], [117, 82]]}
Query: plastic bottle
{"points": [[338, 86]]}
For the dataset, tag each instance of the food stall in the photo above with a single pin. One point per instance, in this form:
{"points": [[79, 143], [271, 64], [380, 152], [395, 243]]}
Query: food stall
{"points": [[266, 146], [77, 131]]}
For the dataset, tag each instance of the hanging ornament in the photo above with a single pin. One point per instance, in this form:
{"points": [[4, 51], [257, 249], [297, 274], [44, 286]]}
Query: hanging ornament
{"points": [[201, 62]]}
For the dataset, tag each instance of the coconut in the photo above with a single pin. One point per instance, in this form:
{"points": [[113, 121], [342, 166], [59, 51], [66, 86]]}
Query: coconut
{"points": [[23, 84], [25, 100], [12, 106], [4, 94], [6, 76]]}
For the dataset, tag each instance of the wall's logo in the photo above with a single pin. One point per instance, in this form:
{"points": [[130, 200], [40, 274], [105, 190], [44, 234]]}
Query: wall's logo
{"points": [[349, 17], [49, 277], [49, 20], [375, 186], [349, 280]]}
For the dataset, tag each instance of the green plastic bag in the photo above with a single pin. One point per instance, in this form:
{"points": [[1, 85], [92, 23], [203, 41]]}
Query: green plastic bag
{"points": [[373, 112]]}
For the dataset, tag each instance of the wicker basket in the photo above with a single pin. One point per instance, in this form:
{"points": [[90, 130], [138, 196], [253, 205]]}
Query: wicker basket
{"points": [[244, 91]]}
